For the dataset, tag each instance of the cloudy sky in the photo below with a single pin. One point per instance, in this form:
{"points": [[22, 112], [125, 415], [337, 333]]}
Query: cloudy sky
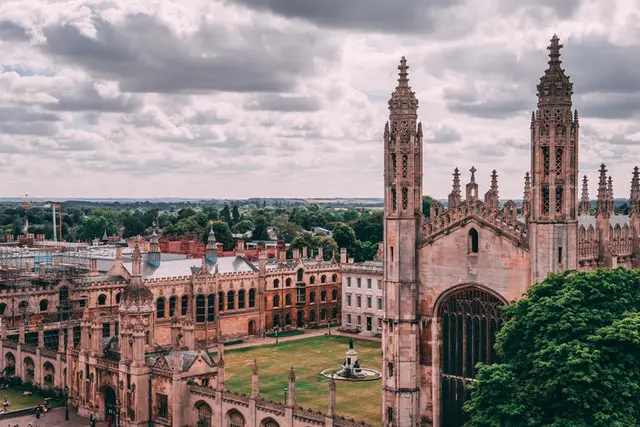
{"points": [[288, 98]]}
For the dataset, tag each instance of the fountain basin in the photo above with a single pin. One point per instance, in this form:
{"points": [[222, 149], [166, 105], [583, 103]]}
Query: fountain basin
{"points": [[367, 375]]}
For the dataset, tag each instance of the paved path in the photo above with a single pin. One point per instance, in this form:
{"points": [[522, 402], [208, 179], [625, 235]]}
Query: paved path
{"points": [[53, 418], [308, 333]]}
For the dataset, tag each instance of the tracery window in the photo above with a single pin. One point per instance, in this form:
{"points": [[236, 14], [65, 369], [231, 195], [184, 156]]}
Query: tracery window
{"points": [[405, 197], [241, 298], [252, 298], [204, 414], [405, 161], [236, 419], [200, 308], [172, 306], [160, 308], [393, 164], [559, 197], [545, 160], [230, 300], [393, 198], [184, 305], [545, 199], [558, 161], [211, 306]]}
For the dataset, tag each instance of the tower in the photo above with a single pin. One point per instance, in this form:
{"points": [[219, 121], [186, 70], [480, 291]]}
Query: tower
{"points": [[554, 166], [154, 255], [403, 213], [211, 250]]}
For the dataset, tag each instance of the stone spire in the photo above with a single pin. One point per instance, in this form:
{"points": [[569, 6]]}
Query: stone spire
{"points": [[403, 99], [634, 200], [211, 250], [602, 206], [585, 203], [610, 197], [491, 196], [526, 197], [455, 197], [554, 87]]}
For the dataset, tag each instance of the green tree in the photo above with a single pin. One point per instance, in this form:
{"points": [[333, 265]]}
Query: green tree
{"points": [[235, 214], [95, 225], [133, 226], [570, 356], [369, 227], [344, 235], [225, 215], [243, 226], [223, 234], [150, 216], [260, 229], [426, 206], [288, 231]]}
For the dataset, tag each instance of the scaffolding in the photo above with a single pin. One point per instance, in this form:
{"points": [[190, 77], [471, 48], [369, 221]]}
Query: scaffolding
{"points": [[26, 267]]}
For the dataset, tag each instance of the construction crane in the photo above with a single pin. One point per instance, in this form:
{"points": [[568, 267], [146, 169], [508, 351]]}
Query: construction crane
{"points": [[26, 216]]}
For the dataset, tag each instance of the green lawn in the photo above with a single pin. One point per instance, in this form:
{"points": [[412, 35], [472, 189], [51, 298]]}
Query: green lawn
{"points": [[360, 400], [17, 400]]}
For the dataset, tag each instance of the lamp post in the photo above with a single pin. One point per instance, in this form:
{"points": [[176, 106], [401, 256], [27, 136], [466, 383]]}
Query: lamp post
{"points": [[118, 406], [277, 328], [285, 395], [66, 403]]}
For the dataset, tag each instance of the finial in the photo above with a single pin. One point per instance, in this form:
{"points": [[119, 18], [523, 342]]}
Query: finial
{"points": [[554, 49], [494, 180], [403, 72], [585, 204], [634, 200], [473, 171]]}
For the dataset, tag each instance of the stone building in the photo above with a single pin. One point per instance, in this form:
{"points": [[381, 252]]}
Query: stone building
{"points": [[362, 307], [133, 342], [444, 276]]}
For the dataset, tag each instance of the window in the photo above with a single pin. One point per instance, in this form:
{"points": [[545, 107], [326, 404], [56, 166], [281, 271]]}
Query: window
{"points": [[230, 300], [116, 328], [118, 298], [276, 284], [300, 272], [379, 284], [287, 319], [252, 298], [348, 318], [106, 330], [559, 161], [389, 369], [44, 305], [287, 299], [358, 301], [241, 298], [405, 160], [379, 303], [184, 305], [220, 301], [559, 198], [102, 299], [323, 279], [323, 296], [276, 300], [368, 302], [359, 320], [288, 282], [163, 405], [334, 278], [334, 295], [312, 297], [160, 308], [368, 283], [545, 199], [200, 308], [559, 254], [211, 307], [359, 282], [545, 160], [348, 300], [389, 415], [405, 197], [473, 241], [312, 280], [348, 282], [172, 306], [379, 323], [276, 320]]}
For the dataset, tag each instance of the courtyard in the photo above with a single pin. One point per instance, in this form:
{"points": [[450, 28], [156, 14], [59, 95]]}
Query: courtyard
{"points": [[18, 401], [309, 356]]}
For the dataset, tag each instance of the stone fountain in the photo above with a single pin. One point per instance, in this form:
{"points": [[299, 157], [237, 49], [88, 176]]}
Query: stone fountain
{"points": [[351, 369]]}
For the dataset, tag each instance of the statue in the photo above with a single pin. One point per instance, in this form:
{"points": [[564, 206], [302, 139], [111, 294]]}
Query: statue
{"points": [[350, 344]]}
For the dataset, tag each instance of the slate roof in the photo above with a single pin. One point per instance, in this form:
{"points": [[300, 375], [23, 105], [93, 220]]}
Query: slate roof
{"points": [[273, 264], [186, 359], [183, 267], [588, 220]]}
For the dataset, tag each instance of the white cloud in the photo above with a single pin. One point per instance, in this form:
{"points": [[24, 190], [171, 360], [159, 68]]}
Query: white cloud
{"points": [[245, 98]]}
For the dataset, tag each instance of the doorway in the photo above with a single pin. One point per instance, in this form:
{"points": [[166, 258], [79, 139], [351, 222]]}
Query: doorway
{"points": [[369, 324], [110, 405]]}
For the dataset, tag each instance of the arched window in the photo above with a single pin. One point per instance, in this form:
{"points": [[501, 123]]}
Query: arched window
{"points": [[334, 295], [269, 422], [230, 300], [63, 296], [287, 299], [276, 320], [220, 301], [334, 313], [204, 414], [288, 282], [323, 314], [211, 306], [160, 308], [312, 297], [276, 283], [44, 305], [102, 299], [241, 299], [287, 319], [473, 241], [23, 306], [235, 419], [323, 296], [300, 272], [252, 298], [312, 280], [200, 308], [172, 306], [312, 316], [323, 279], [184, 305], [3, 307], [334, 278], [276, 300], [118, 298]]}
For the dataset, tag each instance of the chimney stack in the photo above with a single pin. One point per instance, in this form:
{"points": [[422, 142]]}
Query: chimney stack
{"points": [[343, 255], [320, 253], [304, 252]]}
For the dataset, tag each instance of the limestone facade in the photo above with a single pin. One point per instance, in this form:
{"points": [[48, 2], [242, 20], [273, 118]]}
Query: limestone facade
{"points": [[445, 276], [362, 307]]}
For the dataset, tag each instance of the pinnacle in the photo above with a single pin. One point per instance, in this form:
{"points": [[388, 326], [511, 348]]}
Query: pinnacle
{"points": [[403, 80]]}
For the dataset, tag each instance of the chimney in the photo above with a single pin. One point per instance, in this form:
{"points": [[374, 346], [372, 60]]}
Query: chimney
{"points": [[240, 247], [296, 254], [304, 252], [93, 267], [262, 263], [320, 253], [119, 254], [351, 260], [343, 255], [283, 254]]}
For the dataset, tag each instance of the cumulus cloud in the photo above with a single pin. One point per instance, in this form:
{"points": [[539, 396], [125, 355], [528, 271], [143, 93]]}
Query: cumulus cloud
{"points": [[247, 98]]}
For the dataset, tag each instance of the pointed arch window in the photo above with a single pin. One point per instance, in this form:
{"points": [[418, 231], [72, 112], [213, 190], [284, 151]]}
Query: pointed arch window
{"points": [[200, 308], [160, 308], [211, 306], [473, 244], [545, 160], [545, 199], [394, 199], [252, 298], [559, 153], [172, 306], [230, 300], [405, 197], [184, 305], [393, 164], [300, 272], [405, 162], [559, 198], [220, 301], [241, 294]]}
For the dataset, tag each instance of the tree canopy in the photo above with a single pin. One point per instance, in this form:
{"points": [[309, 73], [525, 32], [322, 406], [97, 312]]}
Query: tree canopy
{"points": [[570, 356]]}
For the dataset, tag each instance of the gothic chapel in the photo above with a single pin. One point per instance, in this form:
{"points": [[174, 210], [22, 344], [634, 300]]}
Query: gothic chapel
{"points": [[444, 276]]}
